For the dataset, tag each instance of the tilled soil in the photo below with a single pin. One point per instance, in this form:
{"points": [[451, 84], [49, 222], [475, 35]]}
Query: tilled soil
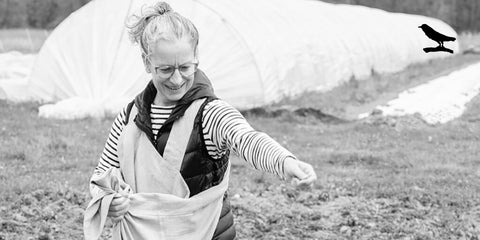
{"points": [[272, 211]]}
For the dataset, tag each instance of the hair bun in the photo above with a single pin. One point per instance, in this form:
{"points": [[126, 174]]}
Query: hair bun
{"points": [[162, 8]]}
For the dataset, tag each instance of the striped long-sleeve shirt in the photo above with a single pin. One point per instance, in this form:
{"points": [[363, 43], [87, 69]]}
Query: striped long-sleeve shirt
{"points": [[224, 128]]}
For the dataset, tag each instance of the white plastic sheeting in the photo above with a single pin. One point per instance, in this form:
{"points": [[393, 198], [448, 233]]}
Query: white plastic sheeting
{"points": [[254, 51], [15, 68], [440, 100]]}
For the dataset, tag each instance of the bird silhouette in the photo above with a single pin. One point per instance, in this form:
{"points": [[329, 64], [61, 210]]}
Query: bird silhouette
{"points": [[435, 36]]}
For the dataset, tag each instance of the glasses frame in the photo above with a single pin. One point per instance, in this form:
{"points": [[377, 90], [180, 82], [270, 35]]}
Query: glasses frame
{"points": [[175, 68]]}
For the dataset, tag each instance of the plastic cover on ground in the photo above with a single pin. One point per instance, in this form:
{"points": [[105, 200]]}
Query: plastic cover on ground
{"points": [[440, 100], [254, 51]]}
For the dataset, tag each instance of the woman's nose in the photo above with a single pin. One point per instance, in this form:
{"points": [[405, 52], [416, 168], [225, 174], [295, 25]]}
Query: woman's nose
{"points": [[176, 78]]}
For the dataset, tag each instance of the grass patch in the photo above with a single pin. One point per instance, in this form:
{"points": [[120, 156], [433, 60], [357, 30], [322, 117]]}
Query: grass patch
{"points": [[384, 181]]}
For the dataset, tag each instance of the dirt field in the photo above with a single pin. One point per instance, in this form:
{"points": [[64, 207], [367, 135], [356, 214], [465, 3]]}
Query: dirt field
{"points": [[379, 178]]}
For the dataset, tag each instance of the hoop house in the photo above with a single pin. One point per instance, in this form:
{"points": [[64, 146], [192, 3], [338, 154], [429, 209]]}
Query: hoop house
{"points": [[254, 51]]}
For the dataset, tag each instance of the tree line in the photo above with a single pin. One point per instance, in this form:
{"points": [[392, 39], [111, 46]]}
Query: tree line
{"points": [[36, 13], [462, 15]]}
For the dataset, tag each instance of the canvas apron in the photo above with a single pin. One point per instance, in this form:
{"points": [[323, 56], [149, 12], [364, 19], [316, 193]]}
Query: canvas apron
{"points": [[160, 207]]}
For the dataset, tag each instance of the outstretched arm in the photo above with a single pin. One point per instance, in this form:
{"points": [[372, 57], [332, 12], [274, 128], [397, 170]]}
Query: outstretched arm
{"points": [[225, 128]]}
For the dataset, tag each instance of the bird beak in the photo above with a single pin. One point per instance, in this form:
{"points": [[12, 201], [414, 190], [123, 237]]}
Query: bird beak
{"points": [[419, 26]]}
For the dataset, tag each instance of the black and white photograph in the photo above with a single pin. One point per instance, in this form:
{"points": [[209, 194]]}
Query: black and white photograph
{"points": [[239, 119]]}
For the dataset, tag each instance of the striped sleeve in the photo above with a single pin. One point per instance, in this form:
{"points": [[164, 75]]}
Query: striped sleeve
{"points": [[225, 128], [109, 157]]}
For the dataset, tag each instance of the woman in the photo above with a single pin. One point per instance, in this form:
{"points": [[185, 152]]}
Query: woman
{"points": [[177, 104]]}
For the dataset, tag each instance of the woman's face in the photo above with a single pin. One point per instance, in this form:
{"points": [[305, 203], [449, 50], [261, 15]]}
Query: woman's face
{"points": [[172, 65]]}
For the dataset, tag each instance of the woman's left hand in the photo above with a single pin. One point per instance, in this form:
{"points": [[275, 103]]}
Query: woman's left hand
{"points": [[302, 173]]}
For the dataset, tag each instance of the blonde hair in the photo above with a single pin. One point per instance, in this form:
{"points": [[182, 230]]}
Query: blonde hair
{"points": [[160, 22]]}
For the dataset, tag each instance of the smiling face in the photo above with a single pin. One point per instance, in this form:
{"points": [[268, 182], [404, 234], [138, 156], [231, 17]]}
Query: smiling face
{"points": [[165, 54]]}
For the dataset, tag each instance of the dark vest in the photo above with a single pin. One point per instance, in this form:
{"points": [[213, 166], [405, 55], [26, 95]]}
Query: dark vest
{"points": [[199, 170]]}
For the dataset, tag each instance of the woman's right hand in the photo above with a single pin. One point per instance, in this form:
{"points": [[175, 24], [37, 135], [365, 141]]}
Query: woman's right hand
{"points": [[119, 206]]}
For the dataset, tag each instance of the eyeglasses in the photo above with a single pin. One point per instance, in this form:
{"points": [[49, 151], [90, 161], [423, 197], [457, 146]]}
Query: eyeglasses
{"points": [[166, 71]]}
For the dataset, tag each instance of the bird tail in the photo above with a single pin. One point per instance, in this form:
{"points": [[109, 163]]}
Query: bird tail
{"points": [[449, 39]]}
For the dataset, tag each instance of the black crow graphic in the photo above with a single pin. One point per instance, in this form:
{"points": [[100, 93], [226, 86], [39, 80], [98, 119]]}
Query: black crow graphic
{"points": [[435, 36]]}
